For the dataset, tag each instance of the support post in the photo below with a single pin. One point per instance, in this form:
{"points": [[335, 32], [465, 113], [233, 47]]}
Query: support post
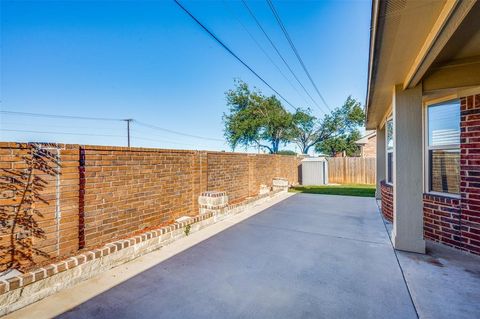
{"points": [[408, 170], [128, 130]]}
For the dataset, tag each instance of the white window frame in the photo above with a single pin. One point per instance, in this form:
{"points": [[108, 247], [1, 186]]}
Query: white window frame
{"points": [[390, 118], [428, 148]]}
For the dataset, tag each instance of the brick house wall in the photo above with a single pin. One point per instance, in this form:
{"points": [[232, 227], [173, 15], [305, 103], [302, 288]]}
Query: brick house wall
{"points": [[470, 172], [441, 218], [456, 221], [370, 148], [387, 201], [106, 193]]}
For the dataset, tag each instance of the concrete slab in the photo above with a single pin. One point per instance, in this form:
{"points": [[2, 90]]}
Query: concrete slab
{"points": [[69, 298], [444, 283], [309, 256]]}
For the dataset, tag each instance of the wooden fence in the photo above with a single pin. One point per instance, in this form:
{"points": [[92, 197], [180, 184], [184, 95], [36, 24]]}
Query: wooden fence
{"points": [[351, 170]]}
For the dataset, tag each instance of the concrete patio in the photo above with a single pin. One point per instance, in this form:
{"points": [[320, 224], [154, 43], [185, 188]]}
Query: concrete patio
{"points": [[308, 256]]}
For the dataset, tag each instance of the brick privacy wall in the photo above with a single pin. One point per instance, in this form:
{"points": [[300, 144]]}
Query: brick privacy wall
{"points": [[108, 192], [263, 171], [228, 172], [62, 234], [127, 190], [242, 175], [387, 201], [456, 222]]}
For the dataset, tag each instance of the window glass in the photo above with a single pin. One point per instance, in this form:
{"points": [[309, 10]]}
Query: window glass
{"points": [[389, 128], [389, 135], [444, 147], [444, 124], [390, 167], [445, 171]]}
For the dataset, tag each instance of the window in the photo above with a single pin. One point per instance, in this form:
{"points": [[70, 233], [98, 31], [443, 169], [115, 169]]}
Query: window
{"points": [[444, 147], [389, 151]]}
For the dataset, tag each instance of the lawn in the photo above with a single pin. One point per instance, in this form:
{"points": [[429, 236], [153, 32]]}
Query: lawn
{"points": [[343, 190]]}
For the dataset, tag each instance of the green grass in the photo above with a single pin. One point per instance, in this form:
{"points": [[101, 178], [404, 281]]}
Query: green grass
{"points": [[343, 190]]}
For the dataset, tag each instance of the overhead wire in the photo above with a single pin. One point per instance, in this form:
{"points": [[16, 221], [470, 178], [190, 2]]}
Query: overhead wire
{"points": [[292, 45], [259, 25], [237, 18], [151, 126], [61, 133], [94, 135], [62, 116], [161, 140], [103, 128], [176, 132], [222, 44]]}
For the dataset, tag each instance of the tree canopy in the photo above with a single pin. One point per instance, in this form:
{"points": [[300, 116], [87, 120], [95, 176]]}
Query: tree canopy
{"points": [[342, 143], [261, 121], [255, 119]]}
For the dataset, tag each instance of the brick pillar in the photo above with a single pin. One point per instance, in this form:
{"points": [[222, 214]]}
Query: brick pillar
{"points": [[213, 202], [81, 197], [200, 177], [252, 191], [280, 184]]}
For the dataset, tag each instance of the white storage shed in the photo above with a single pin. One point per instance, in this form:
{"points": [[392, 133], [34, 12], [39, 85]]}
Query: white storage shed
{"points": [[315, 171]]}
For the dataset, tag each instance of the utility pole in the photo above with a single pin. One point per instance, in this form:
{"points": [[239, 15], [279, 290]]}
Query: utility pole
{"points": [[128, 130]]}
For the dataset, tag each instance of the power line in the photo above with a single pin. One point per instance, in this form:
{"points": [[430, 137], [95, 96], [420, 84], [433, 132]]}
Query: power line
{"points": [[279, 53], [160, 140], [111, 129], [95, 135], [285, 32], [237, 18], [62, 116], [176, 132], [62, 133], [109, 119], [232, 53]]}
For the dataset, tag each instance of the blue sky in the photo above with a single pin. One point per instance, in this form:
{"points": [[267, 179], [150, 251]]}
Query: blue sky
{"points": [[149, 61]]}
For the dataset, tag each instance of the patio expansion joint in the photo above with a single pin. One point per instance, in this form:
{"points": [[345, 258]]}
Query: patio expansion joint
{"points": [[398, 261], [319, 234]]}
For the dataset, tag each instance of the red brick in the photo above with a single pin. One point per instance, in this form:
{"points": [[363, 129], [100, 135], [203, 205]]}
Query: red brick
{"points": [[460, 219]]}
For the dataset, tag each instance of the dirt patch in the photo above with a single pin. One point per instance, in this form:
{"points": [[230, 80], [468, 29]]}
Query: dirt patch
{"points": [[475, 273], [435, 262]]}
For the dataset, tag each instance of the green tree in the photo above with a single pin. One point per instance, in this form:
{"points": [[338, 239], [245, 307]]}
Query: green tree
{"points": [[343, 143], [332, 129], [287, 152], [256, 120]]}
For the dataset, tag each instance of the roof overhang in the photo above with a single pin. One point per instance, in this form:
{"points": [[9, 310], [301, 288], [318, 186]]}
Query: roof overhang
{"points": [[436, 43]]}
